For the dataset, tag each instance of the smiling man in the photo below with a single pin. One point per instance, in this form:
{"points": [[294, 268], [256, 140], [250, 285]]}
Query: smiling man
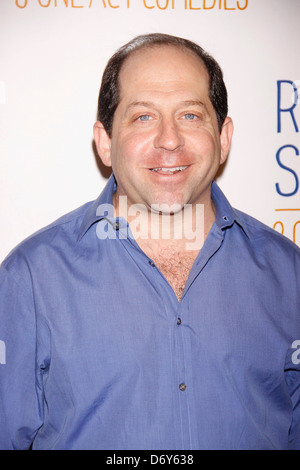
{"points": [[165, 147], [124, 338]]}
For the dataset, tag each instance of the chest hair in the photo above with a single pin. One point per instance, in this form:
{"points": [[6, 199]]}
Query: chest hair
{"points": [[174, 264]]}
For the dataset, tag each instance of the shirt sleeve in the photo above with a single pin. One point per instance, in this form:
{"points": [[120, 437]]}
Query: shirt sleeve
{"points": [[293, 382], [21, 396]]}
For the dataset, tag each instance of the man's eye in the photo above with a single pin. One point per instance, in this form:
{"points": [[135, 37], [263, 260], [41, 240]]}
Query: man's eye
{"points": [[190, 116], [144, 117]]}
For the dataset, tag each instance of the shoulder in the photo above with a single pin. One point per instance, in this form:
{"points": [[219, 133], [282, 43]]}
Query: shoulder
{"points": [[58, 235], [266, 238]]}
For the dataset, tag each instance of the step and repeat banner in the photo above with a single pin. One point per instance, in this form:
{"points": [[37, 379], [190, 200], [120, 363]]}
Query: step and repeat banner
{"points": [[52, 55]]}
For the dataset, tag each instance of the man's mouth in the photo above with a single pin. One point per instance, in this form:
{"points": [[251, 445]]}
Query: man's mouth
{"points": [[169, 171]]}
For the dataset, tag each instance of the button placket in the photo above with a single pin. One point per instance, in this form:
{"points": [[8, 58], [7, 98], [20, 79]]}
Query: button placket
{"points": [[183, 374]]}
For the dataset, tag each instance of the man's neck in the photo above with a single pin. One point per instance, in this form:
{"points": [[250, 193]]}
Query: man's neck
{"points": [[185, 229], [172, 240]]}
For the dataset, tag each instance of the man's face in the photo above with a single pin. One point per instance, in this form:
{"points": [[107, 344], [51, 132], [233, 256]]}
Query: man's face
{"points": [[165, 146]]}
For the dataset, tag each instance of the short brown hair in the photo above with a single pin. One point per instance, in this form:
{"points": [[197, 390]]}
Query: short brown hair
{"points": [[109, 95]]}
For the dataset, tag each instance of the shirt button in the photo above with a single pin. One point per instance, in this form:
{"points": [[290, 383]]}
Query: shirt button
{"points": [[178, 321], [151, 263], [116, 225], [182, 387]]}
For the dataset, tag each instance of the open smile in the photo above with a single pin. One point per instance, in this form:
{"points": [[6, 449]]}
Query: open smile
{"points": [[169, 171]]}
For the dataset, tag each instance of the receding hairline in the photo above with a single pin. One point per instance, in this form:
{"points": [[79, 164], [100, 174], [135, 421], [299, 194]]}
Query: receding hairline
{"points": [[152, 46], [109, 94]]}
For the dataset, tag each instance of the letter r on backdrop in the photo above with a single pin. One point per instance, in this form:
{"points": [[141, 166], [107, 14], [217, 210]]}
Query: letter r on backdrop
{"points": [[290, 110]]}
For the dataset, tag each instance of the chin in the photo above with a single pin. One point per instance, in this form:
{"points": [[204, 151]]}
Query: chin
{"points": [[167, 206], [166, 209]]}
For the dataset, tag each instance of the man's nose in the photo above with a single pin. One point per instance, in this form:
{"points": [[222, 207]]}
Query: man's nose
{"points": [[168, 136]]}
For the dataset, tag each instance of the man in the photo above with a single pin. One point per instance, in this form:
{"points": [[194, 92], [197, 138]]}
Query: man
{"points": [[157, 316]]}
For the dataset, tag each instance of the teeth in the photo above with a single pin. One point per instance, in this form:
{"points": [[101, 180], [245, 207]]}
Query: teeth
{"points": [[170, 170]]}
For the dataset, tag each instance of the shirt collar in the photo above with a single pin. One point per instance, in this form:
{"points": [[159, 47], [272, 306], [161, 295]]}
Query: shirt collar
{"points": [[226, 216], [92, 214]]}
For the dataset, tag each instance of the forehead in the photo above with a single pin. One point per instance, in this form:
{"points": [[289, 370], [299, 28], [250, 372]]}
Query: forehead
{"points": [[163, 67]]}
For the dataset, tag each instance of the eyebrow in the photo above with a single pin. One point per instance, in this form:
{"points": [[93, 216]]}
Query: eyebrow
{"points": [[151, 104]]}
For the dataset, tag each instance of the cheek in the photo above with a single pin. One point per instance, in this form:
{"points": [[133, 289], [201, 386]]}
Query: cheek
{"points": [[131, 149], [205, 144]]}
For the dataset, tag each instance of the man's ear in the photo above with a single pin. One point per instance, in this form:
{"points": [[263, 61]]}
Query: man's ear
{"points": [[225, 138], [103, 143]]}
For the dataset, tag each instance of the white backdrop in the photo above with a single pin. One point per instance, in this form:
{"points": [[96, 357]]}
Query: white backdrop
{"points": [[52, 55]]}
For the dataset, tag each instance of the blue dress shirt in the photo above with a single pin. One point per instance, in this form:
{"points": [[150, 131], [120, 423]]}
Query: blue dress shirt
{"points": [[97, 352]]}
